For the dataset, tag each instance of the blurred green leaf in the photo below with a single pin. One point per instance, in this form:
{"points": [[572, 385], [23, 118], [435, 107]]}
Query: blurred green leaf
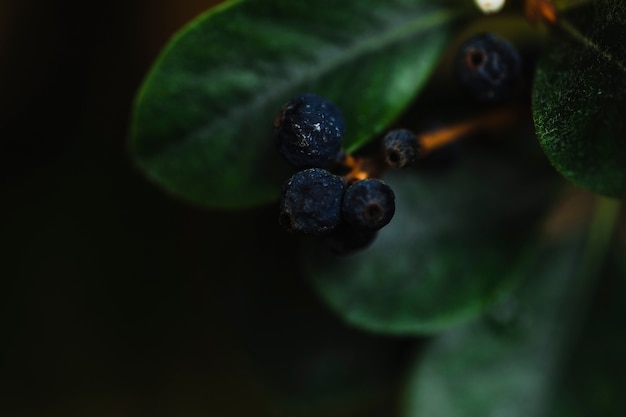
{"points": [[510, 362], [483, 370], [595, 378], [456, 242], [579, 97], [202, 126]]}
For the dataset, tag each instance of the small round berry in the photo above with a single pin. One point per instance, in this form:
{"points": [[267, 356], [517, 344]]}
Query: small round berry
{"points": [[311, 202], [346, 240], [488, 67], [308, 131], [401, 148], [368, 204]]}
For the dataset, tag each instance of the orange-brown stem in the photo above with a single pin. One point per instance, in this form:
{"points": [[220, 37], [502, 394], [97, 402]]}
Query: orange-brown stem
{"points": [[540, 11], [495, 120], [363, 168], [357, 170]]}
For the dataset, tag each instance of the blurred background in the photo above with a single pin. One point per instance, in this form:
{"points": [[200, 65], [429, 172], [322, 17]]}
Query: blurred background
{"points": [[118, 300]]}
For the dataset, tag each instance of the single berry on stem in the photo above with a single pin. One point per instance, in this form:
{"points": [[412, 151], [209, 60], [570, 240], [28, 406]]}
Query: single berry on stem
{"points": [[311, 202], [308, 131], [368, 204], [488, 67], [401, 148]]}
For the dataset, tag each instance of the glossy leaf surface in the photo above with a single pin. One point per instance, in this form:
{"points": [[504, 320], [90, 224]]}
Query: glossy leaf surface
{"points": [[202, 125], [456, 242], [579, 97]]}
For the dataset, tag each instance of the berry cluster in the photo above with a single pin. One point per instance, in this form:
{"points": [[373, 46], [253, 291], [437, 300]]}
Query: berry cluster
{"points": [[348, 210], [315, 201]]}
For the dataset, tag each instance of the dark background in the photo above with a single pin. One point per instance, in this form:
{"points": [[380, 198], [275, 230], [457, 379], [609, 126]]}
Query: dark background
{"points": [[116, 299], [106, 306]]}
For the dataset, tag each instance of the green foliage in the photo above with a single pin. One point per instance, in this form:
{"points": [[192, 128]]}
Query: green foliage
{"points": [[512, 361], [579, 97], [465, 240], [458, 240], [508, 362], [202, 126], [594, 380]]}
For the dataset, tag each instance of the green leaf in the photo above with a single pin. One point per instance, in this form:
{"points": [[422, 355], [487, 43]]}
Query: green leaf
{"points": [[456, 242], [510, 362], [505, 366], [202, 125], [579, 97], [594, 381]]}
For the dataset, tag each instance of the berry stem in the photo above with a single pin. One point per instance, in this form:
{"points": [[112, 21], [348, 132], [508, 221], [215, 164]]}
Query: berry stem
{"points": [[540, 11], [494, 120], [363, 168], [358, 168]]}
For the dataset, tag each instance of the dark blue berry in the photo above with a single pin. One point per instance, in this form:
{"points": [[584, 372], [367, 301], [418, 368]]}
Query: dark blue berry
{"points": [[488, 67], [308, 131], [368, 204], [346, 240], [311, 202], [401, 148]]}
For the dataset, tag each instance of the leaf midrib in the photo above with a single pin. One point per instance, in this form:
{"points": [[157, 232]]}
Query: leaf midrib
{"points": [[578, 36]]}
